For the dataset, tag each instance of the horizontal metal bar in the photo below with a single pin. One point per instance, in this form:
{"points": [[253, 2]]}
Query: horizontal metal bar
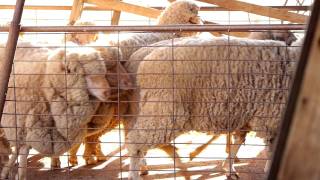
{"points": [[169, 28], [95, 8]]}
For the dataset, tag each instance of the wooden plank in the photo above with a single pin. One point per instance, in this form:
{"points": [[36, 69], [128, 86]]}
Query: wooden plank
{"points": [[298, 152], [115, 17], [127, 7], [76, 11], [259, 10]]}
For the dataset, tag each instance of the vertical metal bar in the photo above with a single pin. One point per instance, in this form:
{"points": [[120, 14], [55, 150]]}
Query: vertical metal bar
{"points": [[6, 64], [295, 90]]}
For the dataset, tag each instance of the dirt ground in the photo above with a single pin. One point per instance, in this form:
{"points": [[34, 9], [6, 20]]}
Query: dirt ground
{"points": [[207, 165]]}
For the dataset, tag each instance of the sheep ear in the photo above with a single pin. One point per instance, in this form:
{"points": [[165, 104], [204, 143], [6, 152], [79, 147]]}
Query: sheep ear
{"points": [[125, 82], [98, 86], [119, 77]]}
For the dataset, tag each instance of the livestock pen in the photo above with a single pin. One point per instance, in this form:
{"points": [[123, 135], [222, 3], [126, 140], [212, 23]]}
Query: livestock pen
{"points": [[190, 90]]}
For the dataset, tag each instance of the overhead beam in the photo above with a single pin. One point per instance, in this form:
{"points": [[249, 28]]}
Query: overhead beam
{"points": [[76, 11], [127, 7], [259, 10]]}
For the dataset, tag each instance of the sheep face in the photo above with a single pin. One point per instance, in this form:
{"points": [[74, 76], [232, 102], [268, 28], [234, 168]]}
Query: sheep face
{"points": [[82, 38], [117, 75], [79, 69], [180, 12], [285, 36]]}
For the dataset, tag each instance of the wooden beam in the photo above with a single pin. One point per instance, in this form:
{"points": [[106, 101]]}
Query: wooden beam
{"points": [[115, 17], [76, 11], [297, 155], [259, 10], [127, 7]]}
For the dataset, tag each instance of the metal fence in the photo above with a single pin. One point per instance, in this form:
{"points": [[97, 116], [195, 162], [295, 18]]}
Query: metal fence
{"points": [[57, 100]]}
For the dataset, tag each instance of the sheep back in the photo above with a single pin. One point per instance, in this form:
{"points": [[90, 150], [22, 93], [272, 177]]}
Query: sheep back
{"points": [[211, 85]]}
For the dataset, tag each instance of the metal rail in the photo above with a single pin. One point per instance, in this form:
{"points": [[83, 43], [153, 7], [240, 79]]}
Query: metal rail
{"points": [[170, 28], [93, 8]]}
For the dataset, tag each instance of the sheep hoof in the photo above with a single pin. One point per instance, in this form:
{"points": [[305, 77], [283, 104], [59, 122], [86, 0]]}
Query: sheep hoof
{"points": [[101, 158], [91, 161], [233, 176], [144, 171], [73, 162], [236, 160], [192, 156], [55, 164]]}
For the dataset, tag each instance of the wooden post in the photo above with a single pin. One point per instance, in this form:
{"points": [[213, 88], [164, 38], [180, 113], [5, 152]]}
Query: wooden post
{"points": [[76, 11], [6, 63], [260, 10], [115, 17], [297, 153]]}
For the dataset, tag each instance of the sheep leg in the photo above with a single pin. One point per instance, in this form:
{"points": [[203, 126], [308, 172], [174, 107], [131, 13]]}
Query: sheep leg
{"points": [[172, 152], [239, 138], [55, 162], [268, 163], [22, 171], [199, 149], [236, 159], [99, 154], [73, 160], [90, 148], [135, 163], [10, 163]]}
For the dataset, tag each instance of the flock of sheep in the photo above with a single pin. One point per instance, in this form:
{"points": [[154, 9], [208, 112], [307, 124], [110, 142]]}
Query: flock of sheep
{"points": [[59, 98]]}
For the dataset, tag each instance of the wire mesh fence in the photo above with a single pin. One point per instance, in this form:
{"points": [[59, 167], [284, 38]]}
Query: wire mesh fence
{"points": [[151, 102], [198, 107]]}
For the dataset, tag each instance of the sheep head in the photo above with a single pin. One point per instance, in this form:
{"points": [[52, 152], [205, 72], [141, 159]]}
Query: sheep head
{"points": [[79, 69], [117, 75], [279, 35], [180, 12], [82, 38]]}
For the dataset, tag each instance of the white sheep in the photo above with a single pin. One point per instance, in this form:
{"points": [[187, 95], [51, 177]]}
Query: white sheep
{"points": [[82, 38], [212, 85], [180, 12], [48, 101], [239, 137], [5, 149]]}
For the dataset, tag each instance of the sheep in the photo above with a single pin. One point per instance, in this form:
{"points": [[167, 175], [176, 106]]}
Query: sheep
{"points": [[180, 12], [39, 111], [229, 68], [105, 118], [82, 38], [285, 36], [5, 149], [280, 35]]}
